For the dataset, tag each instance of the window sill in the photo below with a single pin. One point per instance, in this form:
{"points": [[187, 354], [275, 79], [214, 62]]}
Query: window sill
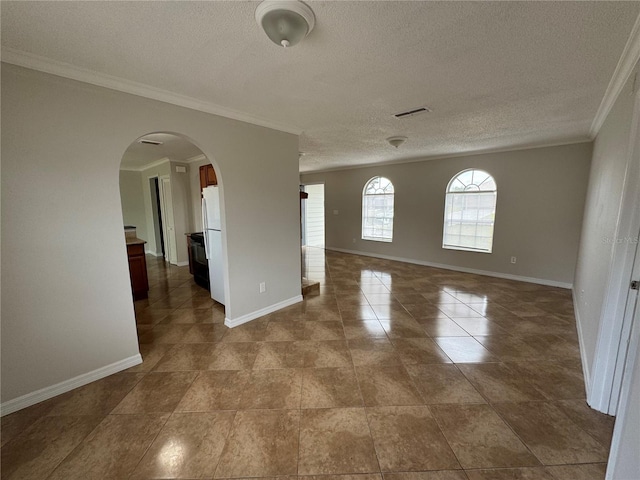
{"points": [[464, 249], [384, 240]]}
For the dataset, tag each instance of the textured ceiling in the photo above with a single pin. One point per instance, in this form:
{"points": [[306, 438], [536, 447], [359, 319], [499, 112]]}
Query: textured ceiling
{"points": [[173, 148], [497, 75]]}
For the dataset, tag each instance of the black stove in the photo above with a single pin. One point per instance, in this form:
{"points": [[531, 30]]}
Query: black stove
{"points": [[199, 259]]}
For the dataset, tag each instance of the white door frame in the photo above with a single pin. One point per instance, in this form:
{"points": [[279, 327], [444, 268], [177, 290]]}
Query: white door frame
{"points": [[167, 218], [157, 251], [303, 219], [627, 326], [623, 457], [614, 334], [163, 211]]}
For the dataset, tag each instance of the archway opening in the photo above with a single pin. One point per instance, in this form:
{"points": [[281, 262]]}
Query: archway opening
{"points": [[175, 264]]}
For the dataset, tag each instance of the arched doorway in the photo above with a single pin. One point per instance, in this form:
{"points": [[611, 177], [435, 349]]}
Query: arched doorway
{"points": [[161, 198]]}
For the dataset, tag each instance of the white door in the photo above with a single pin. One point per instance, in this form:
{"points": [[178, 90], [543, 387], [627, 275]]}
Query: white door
{"points": [[168, 225], [624, 461], [627, 323], [613, 335]]}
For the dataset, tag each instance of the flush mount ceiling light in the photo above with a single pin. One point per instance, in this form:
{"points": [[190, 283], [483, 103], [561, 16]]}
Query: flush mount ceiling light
{"points": [[396, 141], [285, 22]]}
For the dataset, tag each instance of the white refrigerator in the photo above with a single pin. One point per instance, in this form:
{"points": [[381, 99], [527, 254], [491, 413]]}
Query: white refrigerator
{"points": [[213, 240]]}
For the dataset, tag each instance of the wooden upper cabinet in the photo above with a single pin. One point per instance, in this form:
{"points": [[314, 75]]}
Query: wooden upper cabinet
{"points": [[207, 177]]}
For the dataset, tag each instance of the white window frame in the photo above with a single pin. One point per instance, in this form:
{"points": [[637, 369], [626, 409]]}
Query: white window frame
{"points": [[452, 195], [386, 199]]}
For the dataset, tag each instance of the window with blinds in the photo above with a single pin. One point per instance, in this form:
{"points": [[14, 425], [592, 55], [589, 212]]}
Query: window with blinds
{"points": [[377, 210], [470, 212]]}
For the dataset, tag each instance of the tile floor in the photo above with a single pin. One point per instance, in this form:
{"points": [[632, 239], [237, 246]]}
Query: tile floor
{"points": [[394, 370]]}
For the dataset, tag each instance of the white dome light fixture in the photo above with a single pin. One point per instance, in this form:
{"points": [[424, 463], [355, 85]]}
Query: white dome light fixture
{"points": [[396, 141], [285, 22]]}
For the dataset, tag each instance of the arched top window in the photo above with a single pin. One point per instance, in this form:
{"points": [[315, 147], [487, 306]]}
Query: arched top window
{"points": [[377, 210], [470, 211]]}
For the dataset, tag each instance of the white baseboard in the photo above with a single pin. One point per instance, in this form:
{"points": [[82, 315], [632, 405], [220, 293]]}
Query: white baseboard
{"points": [[583, 355], [46, 393], [263, 311], [507, 276], [179, 264], [155, 254]]}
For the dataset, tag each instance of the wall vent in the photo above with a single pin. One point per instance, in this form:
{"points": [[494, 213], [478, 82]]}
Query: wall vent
{"points": [[149, 142], [412, 112]]}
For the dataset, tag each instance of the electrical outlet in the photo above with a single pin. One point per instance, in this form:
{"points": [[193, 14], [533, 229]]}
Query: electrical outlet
{"points": [[336, 212], [513, 259], [263, 287], [354, 240]]}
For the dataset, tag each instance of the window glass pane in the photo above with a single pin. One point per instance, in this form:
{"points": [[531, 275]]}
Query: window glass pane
{"points": [[470, 206], [488, 184], [372, 186], [456, 186], [472, 180], [377, 210], [466, 177], [479, 176]]}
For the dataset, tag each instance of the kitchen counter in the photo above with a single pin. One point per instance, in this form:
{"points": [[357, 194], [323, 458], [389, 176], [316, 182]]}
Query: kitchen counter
{"points": [[134, 241]]}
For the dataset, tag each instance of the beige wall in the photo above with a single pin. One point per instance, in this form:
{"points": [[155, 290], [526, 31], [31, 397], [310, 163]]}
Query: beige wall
{"points": [[133, 212], [67, 309], [181, 195], [538, 215]]}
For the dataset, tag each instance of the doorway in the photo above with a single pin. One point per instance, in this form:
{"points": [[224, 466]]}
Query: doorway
{"points": [[156, 212], [168, 225], [162, 185], [313, 216]]}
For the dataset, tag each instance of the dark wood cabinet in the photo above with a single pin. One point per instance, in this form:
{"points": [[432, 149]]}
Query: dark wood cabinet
{"points": [[138, 270], [207, 177]]}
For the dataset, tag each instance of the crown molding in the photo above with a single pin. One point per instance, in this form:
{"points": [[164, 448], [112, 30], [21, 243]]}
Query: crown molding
{"points": [[155, 163], [471, 153], [61, 69], [621, 74], [196, 158]]}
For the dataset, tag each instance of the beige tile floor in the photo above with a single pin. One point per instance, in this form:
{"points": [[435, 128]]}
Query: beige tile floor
{"points": [[394, 370]]}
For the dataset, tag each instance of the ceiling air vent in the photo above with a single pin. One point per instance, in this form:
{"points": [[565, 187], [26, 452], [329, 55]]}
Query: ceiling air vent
{"points": [[149, 142], [411, 113]]}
